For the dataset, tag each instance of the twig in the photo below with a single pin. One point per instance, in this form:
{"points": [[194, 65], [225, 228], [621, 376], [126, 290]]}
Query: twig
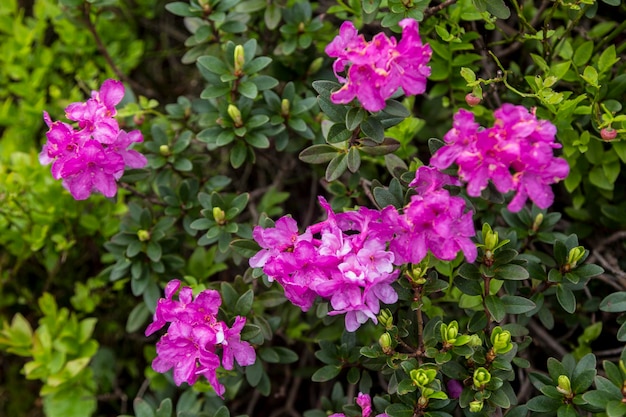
{"points": [[547, 338], [432, 10]]}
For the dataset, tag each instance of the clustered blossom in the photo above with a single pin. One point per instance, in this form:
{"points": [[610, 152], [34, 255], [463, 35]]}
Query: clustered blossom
{"points": [[376, 69], [93, 156], [516, 154], [195, 337], [365, 402], [350, 258]]}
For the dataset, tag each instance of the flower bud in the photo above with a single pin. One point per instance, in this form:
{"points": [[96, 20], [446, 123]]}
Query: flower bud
{"points": [[385, 343], [574, 256], [537, 222], [472, 100], [386, 318], [481, 377], [475, 406], [449, 332], [239, 59], [284, 107], [316, 65], [164, 150], [422, 377], [501, 340], [143, 235], [475, 341], [489, 237], [564, 386], [608, 133], [219, 215], [235, 115]]}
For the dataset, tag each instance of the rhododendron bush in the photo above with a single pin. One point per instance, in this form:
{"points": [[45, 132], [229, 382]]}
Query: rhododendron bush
{"points": [[376, 209]]}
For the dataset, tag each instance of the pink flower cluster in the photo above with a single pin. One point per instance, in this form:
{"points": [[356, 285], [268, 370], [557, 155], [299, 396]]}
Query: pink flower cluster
{"points": [[379, 67], [365, 402], [350, 258], [93, 157], [433, 220], [516, 154], [195, 336]]}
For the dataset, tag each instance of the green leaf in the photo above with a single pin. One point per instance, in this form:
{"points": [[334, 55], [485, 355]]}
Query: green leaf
{"points": [[256, 65], [370, 6], [318, 154], [614, 303], [543, 404], [254, 373], [336, 167], [373, 129], [165, 408], [248, 89], [567, 410], [238, 154], [326, 373], [244, 303], [222, 412], [566, 298], [514, 304], [137, 317], [583, 54], [511, 272], [498, 9], [389, 145], [399, 410], [338, 133], [154, 251], [354, 117], [213, 64], [496, 307], [354, 159], [616, 409], [180, 8], [607, 59], [142, 408]]}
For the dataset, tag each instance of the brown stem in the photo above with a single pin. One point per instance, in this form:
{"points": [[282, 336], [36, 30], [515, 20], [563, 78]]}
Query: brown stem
{"points": [[432, 10]]}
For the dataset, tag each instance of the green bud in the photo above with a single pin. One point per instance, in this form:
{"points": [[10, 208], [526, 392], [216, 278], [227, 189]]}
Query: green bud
{"points": [[386, 318], [219, 215], [143, 235], [164, 150], [284, 107], [385, 343], [239, 59], [575, 255], [449, 332], [475, 406], [501, 340], [564, 386], [490, 237], [481, 377], [537, 222], [316, 65], [422, 377], [475, 341], [235, 115]]}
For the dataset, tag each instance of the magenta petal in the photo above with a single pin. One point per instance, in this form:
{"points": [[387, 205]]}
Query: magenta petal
{"points": [[111, 93]]}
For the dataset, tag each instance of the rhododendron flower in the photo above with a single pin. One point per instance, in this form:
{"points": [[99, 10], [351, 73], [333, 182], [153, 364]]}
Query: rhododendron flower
{"points": [[93, 157], [195, 336], [365, 402], [376, 69], [350, 258], [516, 154]]}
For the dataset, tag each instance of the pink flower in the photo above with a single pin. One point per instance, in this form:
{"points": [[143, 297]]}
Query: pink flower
{"points": [[365, 402], [516, 154], [190, 346], [92, 158], [376, 69], [92, 169]]}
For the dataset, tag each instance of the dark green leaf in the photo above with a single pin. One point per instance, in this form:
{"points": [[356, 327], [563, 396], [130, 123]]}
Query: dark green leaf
{"points": [[544, 404], [566, 298], [336, 167], [244, 303], [318, 154], [496, 307], [326, 373], [514, 304], [354, 159]]}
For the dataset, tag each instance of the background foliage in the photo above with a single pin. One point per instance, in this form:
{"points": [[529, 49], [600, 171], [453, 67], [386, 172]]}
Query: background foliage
{"points": [[235, 143]]}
